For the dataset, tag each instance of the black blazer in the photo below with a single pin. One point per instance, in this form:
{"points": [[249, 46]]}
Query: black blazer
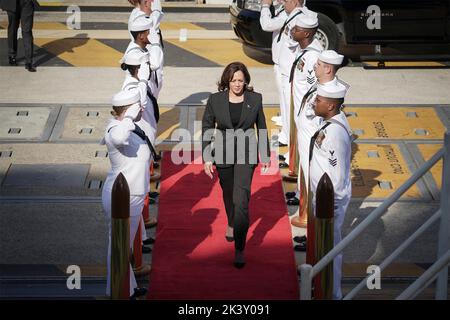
{"points": [[224, 146], [11, 5]]}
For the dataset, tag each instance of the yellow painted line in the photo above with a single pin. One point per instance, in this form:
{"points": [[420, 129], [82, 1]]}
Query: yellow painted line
{"points": [[168, 122], [82, 52], [406, 64], [51, 4], [221, 52], [393, 123], [427, 151], [390, 167], [49, 26], [179, 25]]}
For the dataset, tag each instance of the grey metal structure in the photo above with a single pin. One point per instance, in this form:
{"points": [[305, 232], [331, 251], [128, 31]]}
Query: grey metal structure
{"points": [[438, 270]]}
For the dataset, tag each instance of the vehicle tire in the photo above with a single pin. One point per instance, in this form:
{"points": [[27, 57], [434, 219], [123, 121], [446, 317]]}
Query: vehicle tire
{"points": [[327, 33]]}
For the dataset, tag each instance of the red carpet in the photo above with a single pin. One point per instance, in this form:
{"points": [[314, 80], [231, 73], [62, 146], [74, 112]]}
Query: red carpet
{"points": [[191, 258]]}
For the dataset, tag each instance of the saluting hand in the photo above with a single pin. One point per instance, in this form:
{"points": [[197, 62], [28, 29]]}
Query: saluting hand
{"points": [[268, 2], [209, 169]]}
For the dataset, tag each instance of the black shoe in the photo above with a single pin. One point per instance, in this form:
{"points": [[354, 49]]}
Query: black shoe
{"points": [[279, 144], [229, 239], [301, 247], [148, 241], [293, 202], [290, 195], [12, 61], [239, 261], [283, 165], [153, 194], [30, 67], [300, 239], [281, 157], [138, 292], [146, 249]]}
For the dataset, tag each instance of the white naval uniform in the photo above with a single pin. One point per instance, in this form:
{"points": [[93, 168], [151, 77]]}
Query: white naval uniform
{"points": [[147, 122], [309, 123], [332, 154], [130, 155], [287, 55], [156, 56]]}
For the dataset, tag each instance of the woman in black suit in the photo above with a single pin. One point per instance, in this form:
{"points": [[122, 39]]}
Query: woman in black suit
{"points": [[229, 142]]}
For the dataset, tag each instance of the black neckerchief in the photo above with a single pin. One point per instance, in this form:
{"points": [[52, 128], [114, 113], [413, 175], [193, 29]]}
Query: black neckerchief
{"points": [[286, 23], [138, 131], [313, 140], [294, 64], [306, 96]]}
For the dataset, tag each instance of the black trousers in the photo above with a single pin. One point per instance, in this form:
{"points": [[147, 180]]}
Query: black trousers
{"points": [[23, 16], [236, 184]]}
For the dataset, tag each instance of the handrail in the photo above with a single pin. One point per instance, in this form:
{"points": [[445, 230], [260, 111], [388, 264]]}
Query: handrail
{"points": [[376, 213], [397, 252], [426, 278]]}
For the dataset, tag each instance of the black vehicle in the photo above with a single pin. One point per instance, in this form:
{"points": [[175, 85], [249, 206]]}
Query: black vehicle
{"points": [[370, 22]]}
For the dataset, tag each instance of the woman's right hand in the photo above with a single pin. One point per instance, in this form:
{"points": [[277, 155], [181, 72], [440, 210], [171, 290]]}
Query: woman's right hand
{"points": [[209, 169]]}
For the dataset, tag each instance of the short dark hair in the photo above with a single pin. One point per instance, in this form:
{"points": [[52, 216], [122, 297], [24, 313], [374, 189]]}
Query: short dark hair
{"points": [[135, 34], [228, 73], [130, 68]]}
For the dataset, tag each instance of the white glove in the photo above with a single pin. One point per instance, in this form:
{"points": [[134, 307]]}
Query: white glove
{"points": [[133, 111], [156, 5], [153, 37], [144, 71]]}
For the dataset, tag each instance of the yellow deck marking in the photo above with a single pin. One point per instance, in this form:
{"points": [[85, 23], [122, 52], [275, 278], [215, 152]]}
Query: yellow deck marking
{"points": [[82, 52], [169, 121], [427, 151], [393, 123], [219, 51], [179, 25], [406, 64], [389, 167]]}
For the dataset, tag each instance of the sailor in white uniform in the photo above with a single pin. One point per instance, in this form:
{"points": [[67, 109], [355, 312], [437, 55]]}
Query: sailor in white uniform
{"points": [[129, 153], [331, 153], [286, 49], [302, 75], [273, 23], [325, 70], [147, 39]]}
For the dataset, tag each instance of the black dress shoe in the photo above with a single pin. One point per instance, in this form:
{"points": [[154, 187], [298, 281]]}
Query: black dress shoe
{"points": [[229, 239], [300, 239], [239, 261], [301, 247], [293, 202], [148, 241], [153, 194], [281, 157], [138, 292], [12, 61], [290, 195], [279, 144], [30, 67], [146, 249], [283, 165]]}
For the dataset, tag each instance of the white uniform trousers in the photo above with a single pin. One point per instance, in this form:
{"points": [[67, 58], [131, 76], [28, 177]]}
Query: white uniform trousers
{"points": [[285, 99], [136, 205], [284, 94]]}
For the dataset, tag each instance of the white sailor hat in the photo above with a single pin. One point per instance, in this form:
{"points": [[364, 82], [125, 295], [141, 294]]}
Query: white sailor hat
{"points": [[307, 20], [334, 90], [331, 57], [125, 98], [140, 23], [135, 58]]}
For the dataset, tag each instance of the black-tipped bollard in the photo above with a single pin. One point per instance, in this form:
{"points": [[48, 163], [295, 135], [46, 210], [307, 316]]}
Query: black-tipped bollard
{"points": [[120, 239], [324, 237]]}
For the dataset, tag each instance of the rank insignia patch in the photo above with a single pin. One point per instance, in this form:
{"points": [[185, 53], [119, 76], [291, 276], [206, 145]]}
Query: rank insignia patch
{"points": [[332, 159]]}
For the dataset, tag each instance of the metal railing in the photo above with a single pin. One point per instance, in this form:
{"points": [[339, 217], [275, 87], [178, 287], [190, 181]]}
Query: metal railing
{"points": [[439, 269]]}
